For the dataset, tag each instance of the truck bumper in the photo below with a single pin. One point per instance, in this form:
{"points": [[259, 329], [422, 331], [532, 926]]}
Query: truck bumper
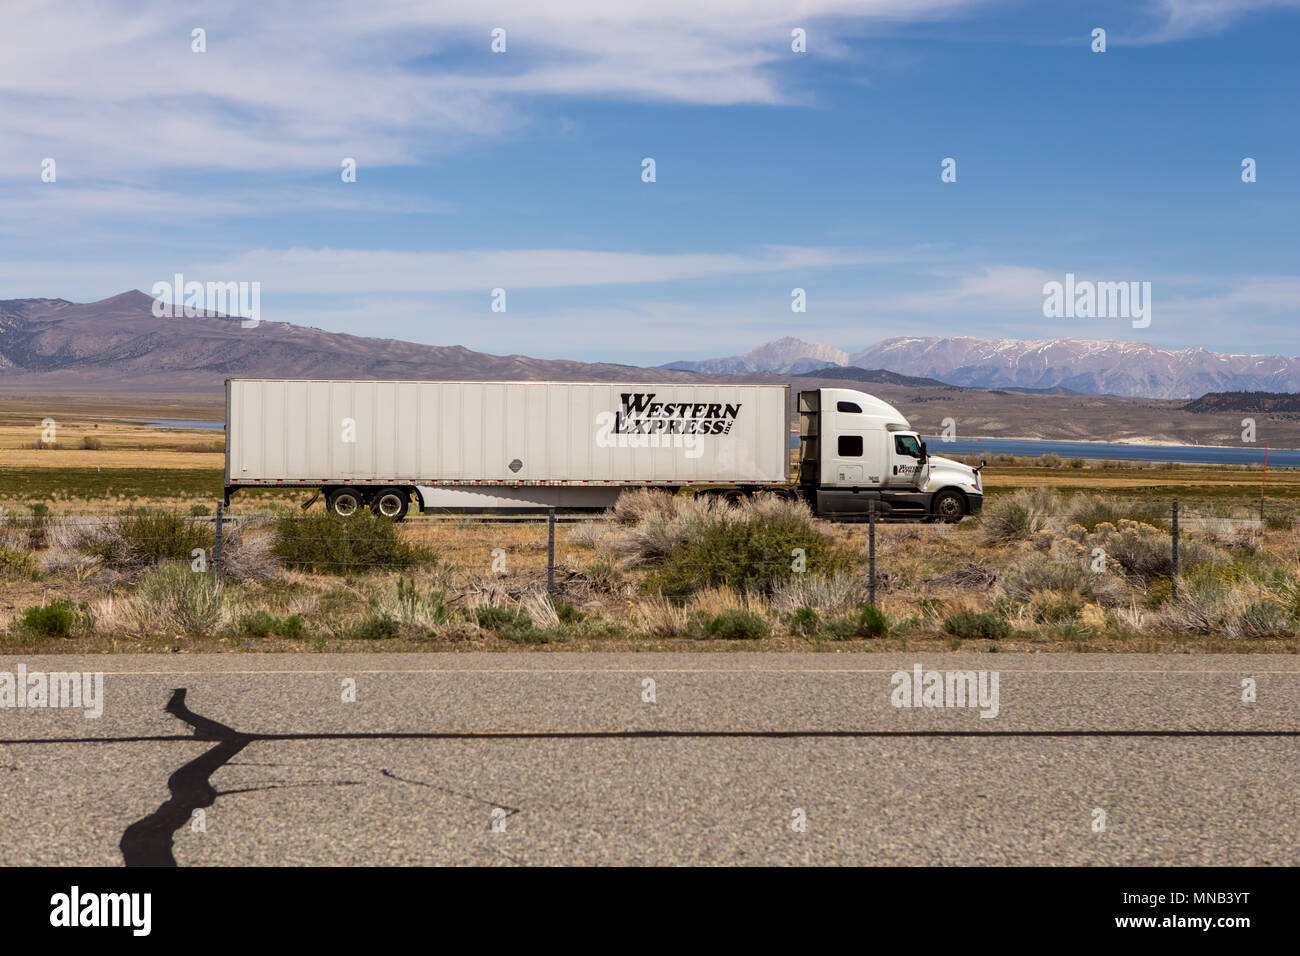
{"points": [[976, 503]]}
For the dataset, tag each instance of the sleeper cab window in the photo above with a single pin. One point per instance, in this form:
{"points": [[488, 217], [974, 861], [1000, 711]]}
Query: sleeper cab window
{"points": [[848, 407], [850, 446]]}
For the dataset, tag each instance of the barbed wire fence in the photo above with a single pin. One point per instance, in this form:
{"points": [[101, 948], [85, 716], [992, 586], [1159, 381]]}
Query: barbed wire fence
{"points": [[171, 540]]}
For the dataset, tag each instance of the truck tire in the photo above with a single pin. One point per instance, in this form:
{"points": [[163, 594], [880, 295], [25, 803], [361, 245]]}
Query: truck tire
{"points": [[390, 503], [345, 502], [949, 505]]}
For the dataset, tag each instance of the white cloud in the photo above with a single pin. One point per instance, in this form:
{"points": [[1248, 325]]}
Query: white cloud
{"points": [[114, 86], [386, 271], [1187, 18]]}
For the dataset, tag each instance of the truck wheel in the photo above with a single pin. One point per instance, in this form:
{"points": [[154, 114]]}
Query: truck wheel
{"points": [[949, 505], [390, 503], [345, 502]]}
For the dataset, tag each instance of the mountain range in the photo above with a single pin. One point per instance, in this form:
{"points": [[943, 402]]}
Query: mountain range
{"points": [[117, 352], [1129, 369], [118, 344]]}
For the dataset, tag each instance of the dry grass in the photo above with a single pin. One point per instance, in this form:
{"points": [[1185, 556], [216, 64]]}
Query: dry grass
{"points": [[1240, 590]]}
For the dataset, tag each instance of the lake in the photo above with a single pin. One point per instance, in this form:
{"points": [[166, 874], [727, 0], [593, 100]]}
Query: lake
{"points": [[1185, 454], [178, 423], [1024, 448]]}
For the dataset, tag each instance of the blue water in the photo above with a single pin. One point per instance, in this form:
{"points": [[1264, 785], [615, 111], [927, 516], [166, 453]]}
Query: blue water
{"points": [[178, 423], [1186, 454]]}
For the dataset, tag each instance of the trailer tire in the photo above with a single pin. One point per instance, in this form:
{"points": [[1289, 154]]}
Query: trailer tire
{"points": [[949, 505], [345, 502], [391, 503]]}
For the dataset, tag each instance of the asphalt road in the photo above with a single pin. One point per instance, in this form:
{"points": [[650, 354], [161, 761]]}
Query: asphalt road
{"points": [[553, 758]]}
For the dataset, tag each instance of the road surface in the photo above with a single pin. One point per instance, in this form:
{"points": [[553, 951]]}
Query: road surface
{"points": [[556, 758]]}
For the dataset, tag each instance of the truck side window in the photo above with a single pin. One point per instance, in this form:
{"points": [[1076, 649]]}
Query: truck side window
{"points": [[850, 446], [848, 407], [907, 445]]}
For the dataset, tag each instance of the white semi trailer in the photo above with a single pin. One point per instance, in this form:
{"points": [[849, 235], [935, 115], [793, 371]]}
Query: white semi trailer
{"points": [[574, 446]]}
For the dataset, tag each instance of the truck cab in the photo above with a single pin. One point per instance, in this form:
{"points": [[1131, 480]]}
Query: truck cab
{"points": [[855, 449]]}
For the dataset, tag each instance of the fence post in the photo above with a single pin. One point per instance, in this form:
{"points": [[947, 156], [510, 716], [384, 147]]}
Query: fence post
{"points": [[871, 550], [1173, 577], [216, 549], [550, 554]]}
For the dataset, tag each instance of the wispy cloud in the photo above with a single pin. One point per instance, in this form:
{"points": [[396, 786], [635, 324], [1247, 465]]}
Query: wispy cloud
{"points": [[114, 85], [386, 271], [1181, 19]]}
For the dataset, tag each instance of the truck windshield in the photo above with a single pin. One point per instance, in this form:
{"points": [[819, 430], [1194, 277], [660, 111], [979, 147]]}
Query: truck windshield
{"points": [[907, 445]]}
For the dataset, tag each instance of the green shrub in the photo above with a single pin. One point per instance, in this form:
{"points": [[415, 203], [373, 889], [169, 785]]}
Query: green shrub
{"points": [[17, 564], [138, 538], [873, 621], [412, 608], [56, 619], [496, 618], [200, 511], [805, 621], [568, 614], [738, 625], [1024, 579], [528, 634], [1158, 592], [1260, 619], [377, 627], [90, 443], [262, 623], [172, 597], [1093, 510], [1279, 521], [869, 622], [976, 624], [745, 552], [258, 624], [1057, 609], [1020, 515], [329, 544], [1147, 552]]}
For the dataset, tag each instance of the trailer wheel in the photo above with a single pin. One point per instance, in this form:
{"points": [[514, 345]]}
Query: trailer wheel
{"points": [[949, 505], [390, 503], [345, 502]]}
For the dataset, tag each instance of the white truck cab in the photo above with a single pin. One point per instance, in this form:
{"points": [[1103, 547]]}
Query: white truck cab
{"points": [[855, 449]]}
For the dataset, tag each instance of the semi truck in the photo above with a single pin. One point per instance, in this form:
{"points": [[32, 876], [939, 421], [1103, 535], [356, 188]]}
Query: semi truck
{"points": [[457, 447]]}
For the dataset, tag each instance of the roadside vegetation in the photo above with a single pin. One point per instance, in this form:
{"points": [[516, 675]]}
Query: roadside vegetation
{"points": [[1040, 569]]}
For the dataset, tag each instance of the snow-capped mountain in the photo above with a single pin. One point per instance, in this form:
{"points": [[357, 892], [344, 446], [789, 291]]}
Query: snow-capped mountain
{"points": [[785, 356], [1129, 369], [1093, 367]]}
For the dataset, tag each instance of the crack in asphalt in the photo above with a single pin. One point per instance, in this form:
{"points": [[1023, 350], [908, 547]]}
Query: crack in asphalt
{"points": [[454, 793]]}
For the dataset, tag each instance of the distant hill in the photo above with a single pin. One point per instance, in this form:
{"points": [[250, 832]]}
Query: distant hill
{"points": [[1260, 402], [103, 352], [877, 376], [118, 344]]}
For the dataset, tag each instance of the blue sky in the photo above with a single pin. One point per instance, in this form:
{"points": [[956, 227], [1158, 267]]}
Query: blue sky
{"points": [[775, 170]]}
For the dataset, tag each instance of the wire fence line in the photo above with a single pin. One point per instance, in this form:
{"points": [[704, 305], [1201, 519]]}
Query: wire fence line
{"points": [[219, 531]]}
